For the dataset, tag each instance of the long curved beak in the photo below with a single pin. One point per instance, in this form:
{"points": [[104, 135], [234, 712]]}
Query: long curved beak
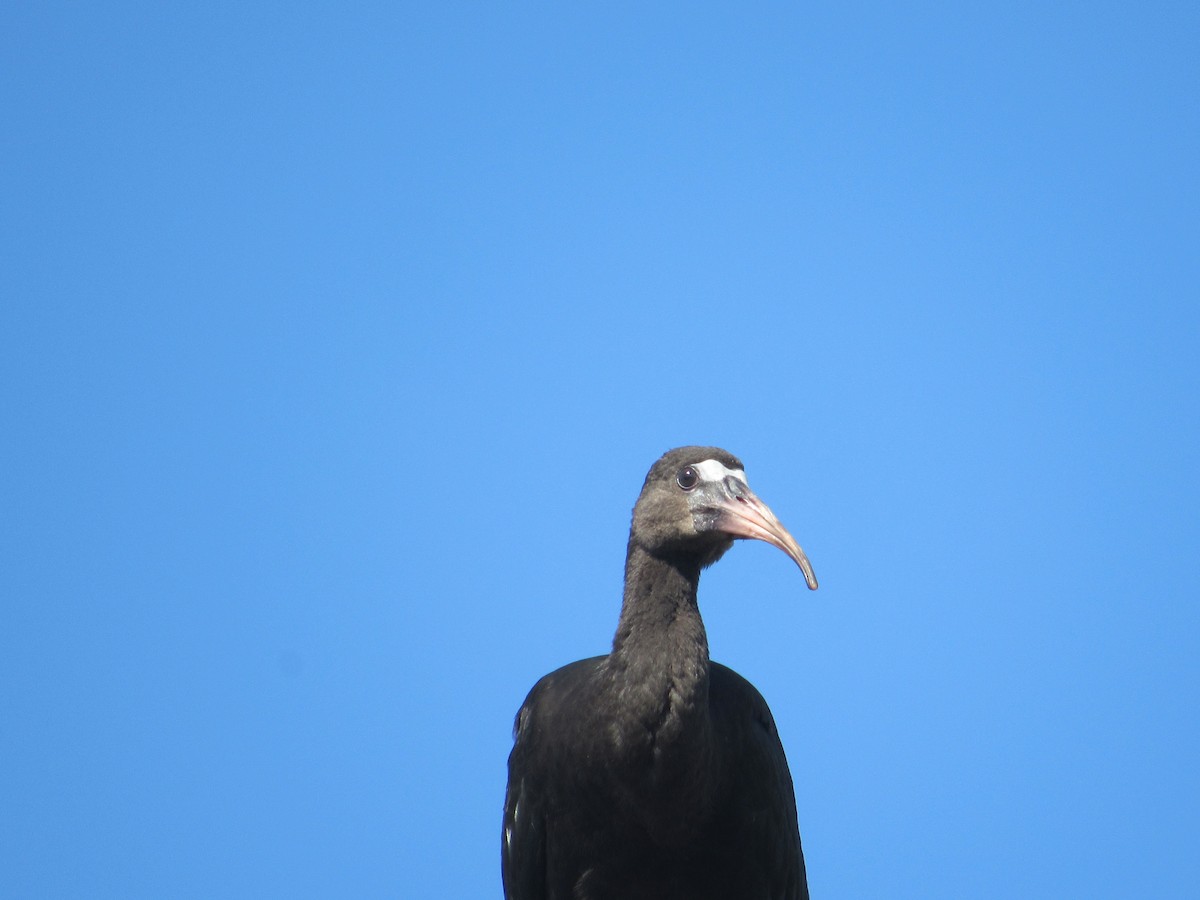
{"points": [[743, 515]]}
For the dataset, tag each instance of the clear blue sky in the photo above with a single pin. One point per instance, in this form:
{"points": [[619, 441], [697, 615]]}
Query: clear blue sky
{"points": [[336, 340]]}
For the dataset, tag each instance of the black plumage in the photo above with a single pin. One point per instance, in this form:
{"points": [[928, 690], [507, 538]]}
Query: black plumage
{"points": [[652, 772]]}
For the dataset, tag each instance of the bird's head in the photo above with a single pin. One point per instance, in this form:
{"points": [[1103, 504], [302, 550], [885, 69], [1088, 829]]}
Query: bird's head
{"points": [[696, 502]]}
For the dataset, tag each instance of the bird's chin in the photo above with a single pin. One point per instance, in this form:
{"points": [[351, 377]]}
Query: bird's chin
{"points": [[719, 548]]}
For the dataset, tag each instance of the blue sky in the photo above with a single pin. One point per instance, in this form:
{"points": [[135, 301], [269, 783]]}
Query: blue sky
{"points": [[337, 340]]}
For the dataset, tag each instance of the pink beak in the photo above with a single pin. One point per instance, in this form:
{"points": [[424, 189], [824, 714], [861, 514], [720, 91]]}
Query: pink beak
{"points": [[745, 516]]}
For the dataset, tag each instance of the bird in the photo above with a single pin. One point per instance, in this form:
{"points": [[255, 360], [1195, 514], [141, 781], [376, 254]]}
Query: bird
{"points": [[653, 772]]}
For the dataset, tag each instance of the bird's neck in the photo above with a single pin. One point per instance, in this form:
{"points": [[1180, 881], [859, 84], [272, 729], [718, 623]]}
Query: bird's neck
{"points": [[660, 651], [659, 616]]}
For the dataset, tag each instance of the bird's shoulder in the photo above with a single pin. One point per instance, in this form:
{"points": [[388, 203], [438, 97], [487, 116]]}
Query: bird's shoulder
{"points": [[546, 728], [556, 696], [758, 791], [735, 701], [557, 709]]}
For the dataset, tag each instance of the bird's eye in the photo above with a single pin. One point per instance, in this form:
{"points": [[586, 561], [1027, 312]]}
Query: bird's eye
{"points": [[687, 478]]}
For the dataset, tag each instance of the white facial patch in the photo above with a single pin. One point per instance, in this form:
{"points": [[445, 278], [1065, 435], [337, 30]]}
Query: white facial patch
{"points": [[711, 470]]}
